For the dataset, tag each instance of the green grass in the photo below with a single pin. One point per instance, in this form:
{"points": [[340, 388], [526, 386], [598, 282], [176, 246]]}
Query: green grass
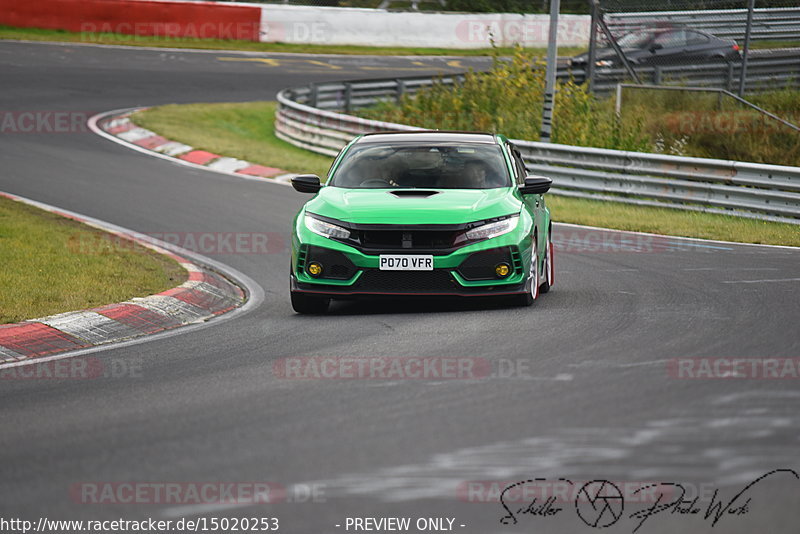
{"points": [[668, 221], [246, 131], [708, 125], [51, 264], [36, 34]]}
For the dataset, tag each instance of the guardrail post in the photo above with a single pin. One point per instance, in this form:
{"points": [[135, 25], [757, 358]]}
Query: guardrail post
{"points": [[401, 89], [312, 95], [729, 77], [348, 97], [657, 75]]}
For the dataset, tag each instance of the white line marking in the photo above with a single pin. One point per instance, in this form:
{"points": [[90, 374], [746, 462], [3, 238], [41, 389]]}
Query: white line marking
{"points": [[135, 134], [173, 148], [732, 269], [697, 239], [229, 164], [761, 281], [172, 307], [89, 326]]}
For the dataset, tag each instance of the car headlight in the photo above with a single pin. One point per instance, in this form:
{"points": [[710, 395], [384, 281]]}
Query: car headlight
{"points": [[489, 230], [326, 229], [604, 63]]}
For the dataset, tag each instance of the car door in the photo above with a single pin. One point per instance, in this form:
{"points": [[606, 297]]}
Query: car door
{"points": [[532, 202], [669, 48], [700, 47]]}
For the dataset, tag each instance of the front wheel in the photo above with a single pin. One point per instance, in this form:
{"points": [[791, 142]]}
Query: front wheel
{"points": [[303, 303], [527, 298]]}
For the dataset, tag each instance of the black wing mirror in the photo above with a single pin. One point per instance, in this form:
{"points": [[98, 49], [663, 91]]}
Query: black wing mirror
{"points": [[657, 46], [536, 185], [306, 183]]}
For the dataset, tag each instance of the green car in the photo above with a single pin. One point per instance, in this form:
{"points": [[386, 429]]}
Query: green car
{"points": [[424, 214]]}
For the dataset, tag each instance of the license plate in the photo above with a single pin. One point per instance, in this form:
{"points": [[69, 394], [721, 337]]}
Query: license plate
{"points": [[405, 262]]}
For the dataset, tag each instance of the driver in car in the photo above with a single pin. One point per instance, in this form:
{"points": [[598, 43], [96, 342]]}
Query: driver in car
{"points": [[478, 176]]}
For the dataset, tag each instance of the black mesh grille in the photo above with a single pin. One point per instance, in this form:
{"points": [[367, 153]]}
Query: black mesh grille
{"points": [[480, 265], [413, 239], [335, 265], [436, 281]]}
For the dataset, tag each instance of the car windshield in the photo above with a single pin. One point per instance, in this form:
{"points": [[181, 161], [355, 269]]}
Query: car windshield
{"points": [[635, 40], [432, 165]]}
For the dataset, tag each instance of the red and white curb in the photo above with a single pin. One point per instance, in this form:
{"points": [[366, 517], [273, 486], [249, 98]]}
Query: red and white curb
{"points": [[118, 126], [206, 294]]}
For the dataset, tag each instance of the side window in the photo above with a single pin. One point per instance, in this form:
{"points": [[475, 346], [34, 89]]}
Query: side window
{"points": [[671, 39], [694, 38], [519, 166]]}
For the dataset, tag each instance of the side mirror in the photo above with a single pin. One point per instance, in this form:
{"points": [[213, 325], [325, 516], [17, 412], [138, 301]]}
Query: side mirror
{"points": [[306, 183], [657, 46], [536, 185]]}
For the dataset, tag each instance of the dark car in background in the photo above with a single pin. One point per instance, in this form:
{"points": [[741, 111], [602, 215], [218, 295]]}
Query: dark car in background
{"points": [[663, 46]]}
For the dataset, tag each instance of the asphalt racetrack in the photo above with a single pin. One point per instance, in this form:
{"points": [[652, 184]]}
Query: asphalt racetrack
{"points": [[584, 385]]}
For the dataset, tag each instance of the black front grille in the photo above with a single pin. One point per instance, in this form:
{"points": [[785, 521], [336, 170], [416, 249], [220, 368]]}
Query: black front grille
{"points": [[436, 281], [335, 265], [407, 239], [480, 265]]}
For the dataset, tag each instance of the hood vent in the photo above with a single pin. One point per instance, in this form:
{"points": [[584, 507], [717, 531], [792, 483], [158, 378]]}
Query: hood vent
{"points": [[413, 193]]}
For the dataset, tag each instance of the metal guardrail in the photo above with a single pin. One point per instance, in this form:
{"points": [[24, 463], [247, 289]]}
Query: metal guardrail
{"points": [[780, 24], [307, 117], [766, 70]]}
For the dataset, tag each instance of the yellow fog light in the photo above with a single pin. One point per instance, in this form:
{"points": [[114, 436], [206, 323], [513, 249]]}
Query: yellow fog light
{"points": [[314, 268], [502, 270]]}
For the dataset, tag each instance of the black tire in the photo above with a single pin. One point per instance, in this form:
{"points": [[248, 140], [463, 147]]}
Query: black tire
{"points": [[547, 269], [524, 300], [309, 305], [528, 298]]}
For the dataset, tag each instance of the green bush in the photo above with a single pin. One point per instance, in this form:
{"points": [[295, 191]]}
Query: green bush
{"points": [[508, 99]]}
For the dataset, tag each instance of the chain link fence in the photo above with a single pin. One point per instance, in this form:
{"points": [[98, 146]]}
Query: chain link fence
{"points": [[709, 43]]}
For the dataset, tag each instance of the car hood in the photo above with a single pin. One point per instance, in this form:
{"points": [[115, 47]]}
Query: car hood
{"points": [[392, 206]]}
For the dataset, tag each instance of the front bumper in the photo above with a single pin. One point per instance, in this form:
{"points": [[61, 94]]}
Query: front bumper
{"points": [[469, 271], [413, 289]]}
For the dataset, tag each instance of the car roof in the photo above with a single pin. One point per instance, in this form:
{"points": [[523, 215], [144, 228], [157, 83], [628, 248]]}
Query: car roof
{"points": [[428, 136]]}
